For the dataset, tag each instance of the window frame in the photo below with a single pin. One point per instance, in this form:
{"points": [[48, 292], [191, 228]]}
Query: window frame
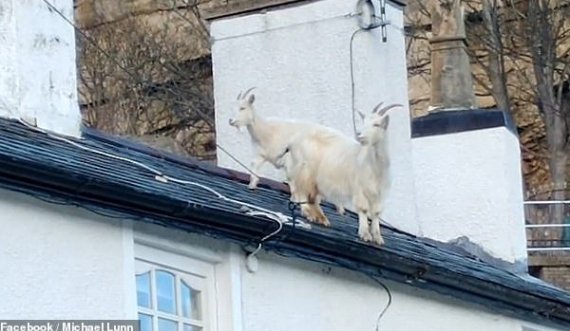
{"points": [[184, 267]]}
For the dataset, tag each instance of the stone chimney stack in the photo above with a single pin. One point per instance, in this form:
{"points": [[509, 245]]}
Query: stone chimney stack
{"points": [[467, 168], [451, 81]]}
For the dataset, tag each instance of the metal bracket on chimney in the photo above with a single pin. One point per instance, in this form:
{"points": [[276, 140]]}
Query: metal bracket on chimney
{"points": [[383, 20], [368, 18]]}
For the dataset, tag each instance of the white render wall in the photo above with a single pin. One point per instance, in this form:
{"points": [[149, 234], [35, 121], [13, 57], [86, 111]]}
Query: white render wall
{"points": [[299, 60], [63, 263], [286, 294], [470, 183], [37, 65]]}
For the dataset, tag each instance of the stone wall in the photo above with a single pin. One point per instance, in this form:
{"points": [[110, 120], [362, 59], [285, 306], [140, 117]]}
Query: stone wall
{"points": [[149, 75], [552, 267], [557, 275]]}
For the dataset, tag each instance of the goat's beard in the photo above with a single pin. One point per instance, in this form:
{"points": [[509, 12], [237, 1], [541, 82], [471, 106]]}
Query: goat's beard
{"points": [[239, 128]]}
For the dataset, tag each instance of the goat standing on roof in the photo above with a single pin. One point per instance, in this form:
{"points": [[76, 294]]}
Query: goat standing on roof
{"points": [[270, 138], [346, 172]]}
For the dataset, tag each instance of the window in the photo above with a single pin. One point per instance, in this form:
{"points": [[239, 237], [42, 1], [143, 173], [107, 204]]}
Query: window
{"points": [[174, 292]]}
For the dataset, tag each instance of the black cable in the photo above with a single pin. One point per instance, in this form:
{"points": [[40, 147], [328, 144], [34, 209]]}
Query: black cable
{"points": [[352, 72], [388, 304], [349, 266], [352, 78]]}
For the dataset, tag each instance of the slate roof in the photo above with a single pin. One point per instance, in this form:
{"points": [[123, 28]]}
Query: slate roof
{"points": [[50, 168]]}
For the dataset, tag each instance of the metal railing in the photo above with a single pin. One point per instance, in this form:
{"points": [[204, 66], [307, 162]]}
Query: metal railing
{"points": [[543, 233]]}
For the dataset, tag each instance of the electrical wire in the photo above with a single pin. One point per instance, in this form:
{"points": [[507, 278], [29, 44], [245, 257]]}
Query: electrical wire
{"points": [[351, 53], [236, 160], [353, 106], [277, 217], [352, 80], [388, 304], [341, 16], [346, 265]]}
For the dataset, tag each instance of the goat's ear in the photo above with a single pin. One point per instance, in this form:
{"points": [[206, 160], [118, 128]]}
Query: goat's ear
{"points": [[385, 122], [251, 99], [362, 116]]}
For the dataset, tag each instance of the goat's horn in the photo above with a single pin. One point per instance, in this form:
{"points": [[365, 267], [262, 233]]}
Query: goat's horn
{"points": [[247, 92], [377, 106], [385, 109], [239, 96]]}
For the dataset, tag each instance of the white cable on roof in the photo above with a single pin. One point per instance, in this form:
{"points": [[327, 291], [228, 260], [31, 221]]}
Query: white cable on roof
{"points": [[57, 137], [277, 217]]}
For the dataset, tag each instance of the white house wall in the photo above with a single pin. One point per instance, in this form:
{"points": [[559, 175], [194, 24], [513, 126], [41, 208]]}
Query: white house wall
{"points": [[37, 65], [61, 262], [299, 60], [287, 294]]}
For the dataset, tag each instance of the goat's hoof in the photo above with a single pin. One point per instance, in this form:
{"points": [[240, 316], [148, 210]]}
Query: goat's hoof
{"points": [[340, 210], [378, 240], [307, 215], [365, 236], [310, 218], [325, 222], [252, 186]]}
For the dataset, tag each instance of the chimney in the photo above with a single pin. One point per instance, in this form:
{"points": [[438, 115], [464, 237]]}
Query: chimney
{"points": [[451, 81], [466, 160], [299, 57], [37, 61]]}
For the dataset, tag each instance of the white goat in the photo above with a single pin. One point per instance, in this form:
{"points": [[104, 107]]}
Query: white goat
{"points": [[346, 172], [270, 138]]}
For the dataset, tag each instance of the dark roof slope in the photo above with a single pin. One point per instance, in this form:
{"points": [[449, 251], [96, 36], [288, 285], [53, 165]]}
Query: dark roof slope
{"points": [[50, 168]]}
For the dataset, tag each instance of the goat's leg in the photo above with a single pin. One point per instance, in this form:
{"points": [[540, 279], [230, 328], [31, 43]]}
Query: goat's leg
{"points": [[298, 197], [375, 212], [306, 209], [311, 208], [361, 205], [301, 188], [340, 209], [255, 166], [375, 228], [363, 228], [321, 218]]}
